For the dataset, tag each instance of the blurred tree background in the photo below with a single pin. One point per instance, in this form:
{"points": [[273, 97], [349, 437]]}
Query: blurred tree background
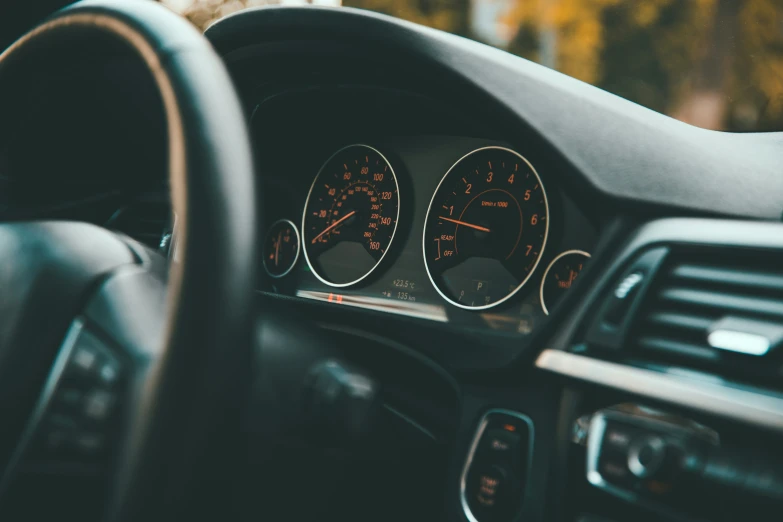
{"points": [[717, 64]]}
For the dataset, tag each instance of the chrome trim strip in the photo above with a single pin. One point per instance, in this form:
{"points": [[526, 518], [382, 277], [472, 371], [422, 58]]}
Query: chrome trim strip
{"points": [[52, 380], [474, 445], [392, 306], [758, 409]]}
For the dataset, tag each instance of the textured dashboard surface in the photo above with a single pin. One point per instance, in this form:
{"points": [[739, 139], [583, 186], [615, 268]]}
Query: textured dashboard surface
{"points": [[623, 150]]}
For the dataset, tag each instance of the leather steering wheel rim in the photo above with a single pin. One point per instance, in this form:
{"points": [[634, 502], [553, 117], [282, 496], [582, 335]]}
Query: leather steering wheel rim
{"points": [[210, 291]]}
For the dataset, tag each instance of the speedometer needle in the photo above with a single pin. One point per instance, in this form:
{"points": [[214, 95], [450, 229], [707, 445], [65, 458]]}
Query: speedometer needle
{"points": [[464, 224], [333, 225]]}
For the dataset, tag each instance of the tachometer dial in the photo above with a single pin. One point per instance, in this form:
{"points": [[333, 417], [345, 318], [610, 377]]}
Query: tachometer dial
{"points": [[560, 276], [281, 248], [486, 228], [350, 216]]}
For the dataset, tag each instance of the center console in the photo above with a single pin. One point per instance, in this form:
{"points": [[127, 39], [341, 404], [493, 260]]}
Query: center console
{"points": [[679, 469]]}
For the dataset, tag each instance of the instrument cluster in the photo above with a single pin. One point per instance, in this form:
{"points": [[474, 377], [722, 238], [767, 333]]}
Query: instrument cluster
{"points": [[466, 230]]}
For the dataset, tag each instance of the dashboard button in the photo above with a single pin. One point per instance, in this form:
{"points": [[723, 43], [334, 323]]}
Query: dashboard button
{"points": [[618, 437], [500, 445], [647, 456], [615, 471], [495, 474], [490, 491]]}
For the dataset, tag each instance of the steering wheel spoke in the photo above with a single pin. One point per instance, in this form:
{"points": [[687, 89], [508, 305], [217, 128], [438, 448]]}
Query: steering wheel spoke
{"points": [[71, 440], [64, 370], [74, 422]]}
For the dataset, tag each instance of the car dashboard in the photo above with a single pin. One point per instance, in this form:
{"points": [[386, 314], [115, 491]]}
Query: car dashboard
{"points": [[572, 303]]}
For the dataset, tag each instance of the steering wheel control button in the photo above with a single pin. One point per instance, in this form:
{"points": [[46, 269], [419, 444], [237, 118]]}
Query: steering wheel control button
{"points": [[109, 372], [85, 354], [79, 411], [98, 405], [501, 445], [496, 470], [89, 443], [58, 433], [69, 399]]}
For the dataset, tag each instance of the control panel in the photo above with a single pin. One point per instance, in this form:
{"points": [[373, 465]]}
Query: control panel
{"points": [[74, 425], [70, 431], [66, 449], [679, 468], [496, 470]]}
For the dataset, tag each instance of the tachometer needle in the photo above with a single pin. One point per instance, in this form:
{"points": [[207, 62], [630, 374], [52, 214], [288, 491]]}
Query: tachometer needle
{"points": [[334, 225], [464, 224]]}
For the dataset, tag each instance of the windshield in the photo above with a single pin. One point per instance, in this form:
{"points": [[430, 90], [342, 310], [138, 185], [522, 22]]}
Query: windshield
{"points": [[717, 64]]}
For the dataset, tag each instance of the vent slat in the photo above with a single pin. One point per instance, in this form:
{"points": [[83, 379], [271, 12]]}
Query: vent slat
{"points": [[723, 301], [675, 320], [683, 349], [727, 276]]}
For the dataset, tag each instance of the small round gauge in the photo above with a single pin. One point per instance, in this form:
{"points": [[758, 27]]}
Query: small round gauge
{"points": [[281, 248], [560, 276], [486, 228], [350, 215]]}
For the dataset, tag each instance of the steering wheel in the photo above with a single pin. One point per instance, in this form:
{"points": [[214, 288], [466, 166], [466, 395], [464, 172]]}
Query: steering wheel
{"points": [[104, 348]]}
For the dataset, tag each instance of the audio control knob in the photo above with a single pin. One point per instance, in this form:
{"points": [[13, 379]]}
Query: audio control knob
{"points": [[647, 456]]}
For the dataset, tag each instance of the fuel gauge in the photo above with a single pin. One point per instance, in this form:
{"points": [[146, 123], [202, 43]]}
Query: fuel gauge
{"points": [[281, 248], [560, 276]]}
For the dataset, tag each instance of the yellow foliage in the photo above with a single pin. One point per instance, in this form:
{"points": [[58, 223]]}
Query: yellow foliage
{"points": [[658, 52], [762, 41], [446, 15]]}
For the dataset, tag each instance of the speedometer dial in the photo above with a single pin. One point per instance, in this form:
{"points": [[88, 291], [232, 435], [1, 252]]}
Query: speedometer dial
{"points": [[486, 228], [350, 215]]}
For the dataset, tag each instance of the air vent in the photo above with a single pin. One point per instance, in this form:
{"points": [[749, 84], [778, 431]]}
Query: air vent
{"points": [[144, 221], [717, 309]]}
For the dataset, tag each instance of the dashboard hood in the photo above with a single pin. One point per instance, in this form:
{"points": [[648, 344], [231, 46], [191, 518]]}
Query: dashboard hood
{"points": [[625, 151]]}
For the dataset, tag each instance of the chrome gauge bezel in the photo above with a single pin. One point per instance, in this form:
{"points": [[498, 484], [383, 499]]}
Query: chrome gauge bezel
{"points": [[307, 203], [427, 217], [298, 247], [546, 274]]}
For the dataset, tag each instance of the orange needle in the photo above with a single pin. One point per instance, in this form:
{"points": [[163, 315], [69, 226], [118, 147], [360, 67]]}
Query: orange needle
{"points": [[277, 246], [333, 225], [469, 225]]}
